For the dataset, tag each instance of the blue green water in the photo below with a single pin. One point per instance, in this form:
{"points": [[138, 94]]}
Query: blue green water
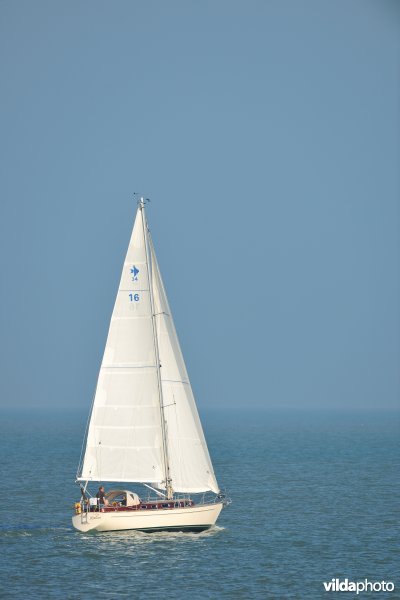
{"points": [[315, 496]]}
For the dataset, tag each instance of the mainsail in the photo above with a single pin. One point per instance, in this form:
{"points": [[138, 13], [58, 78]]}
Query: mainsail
{"points": [[144, 425]]}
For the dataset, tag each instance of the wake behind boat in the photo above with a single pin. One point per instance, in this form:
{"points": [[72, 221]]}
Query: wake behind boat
{"points": [[144, 426]]}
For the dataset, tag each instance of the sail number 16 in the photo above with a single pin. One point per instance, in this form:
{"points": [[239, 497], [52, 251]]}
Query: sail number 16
{"points": [[134, 297]]}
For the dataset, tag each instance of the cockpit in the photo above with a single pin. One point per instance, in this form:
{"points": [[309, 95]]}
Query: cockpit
{"points": [[122, 498]]}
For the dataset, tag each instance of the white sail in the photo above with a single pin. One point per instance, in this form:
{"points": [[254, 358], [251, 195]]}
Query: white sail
{"points": [[124, 441], [189, 461], [144, 416]]}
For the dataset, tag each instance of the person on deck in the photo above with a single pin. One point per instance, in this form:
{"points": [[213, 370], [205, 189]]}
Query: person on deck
{"points": [[101, 497]]}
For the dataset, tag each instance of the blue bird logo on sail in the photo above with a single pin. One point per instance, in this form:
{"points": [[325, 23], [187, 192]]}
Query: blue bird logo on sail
{"points": [[135, 273]]}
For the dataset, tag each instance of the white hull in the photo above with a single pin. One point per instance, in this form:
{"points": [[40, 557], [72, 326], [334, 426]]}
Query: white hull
{"points": [[190, 518]]}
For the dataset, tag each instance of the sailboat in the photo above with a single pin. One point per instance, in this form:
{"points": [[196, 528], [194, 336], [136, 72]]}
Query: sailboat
{"points": [[144, 427]]}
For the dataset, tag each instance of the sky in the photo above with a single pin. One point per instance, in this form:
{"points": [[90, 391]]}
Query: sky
{"points": [[265, 133]]}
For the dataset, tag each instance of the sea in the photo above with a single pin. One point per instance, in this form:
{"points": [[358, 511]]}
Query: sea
{"points": [[315, 498]]}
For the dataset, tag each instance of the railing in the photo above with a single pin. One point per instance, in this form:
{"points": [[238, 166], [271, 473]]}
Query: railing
{"points": [[152, 503]]}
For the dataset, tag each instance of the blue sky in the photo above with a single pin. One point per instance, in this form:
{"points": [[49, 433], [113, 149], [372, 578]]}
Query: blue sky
{"points": [[266, 135]]}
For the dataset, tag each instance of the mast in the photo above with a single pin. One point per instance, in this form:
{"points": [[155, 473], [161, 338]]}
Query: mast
{"points": [[168, 481]]}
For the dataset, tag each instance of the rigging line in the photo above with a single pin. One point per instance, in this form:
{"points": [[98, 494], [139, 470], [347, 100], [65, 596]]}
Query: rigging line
{"points": [[177, 467], [168, 487], [154, 490], [81, 457], [179, 440]]}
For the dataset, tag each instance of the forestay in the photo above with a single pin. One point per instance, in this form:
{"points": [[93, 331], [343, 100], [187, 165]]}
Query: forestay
{"points": [[190, 465], [131, 415]]}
